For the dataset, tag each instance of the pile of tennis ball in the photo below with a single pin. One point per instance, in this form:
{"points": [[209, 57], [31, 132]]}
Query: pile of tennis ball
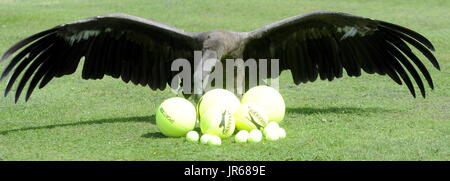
{"points": [[220, 114]]}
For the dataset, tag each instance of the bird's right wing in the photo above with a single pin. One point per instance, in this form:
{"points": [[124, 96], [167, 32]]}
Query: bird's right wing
{"points": [[118, 45]]}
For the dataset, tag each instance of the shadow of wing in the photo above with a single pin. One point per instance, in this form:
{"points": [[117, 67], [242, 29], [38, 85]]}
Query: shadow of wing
{"points": [[150, 119]]}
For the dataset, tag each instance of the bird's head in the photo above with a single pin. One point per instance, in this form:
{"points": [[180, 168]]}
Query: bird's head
{"points": [[216, 45], [219, 41]]}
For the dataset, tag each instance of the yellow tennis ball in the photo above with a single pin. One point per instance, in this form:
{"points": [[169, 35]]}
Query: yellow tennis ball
{"points": [[217, 99], [175, 117], [250, 116], [218, 122], [268, 98]]}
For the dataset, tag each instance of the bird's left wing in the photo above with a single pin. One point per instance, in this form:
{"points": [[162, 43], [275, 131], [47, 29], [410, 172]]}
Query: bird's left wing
{"points": [[322, 44]]}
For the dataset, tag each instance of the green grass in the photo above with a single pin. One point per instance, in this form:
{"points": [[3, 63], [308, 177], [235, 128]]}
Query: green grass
{"points": [[366, 118]]}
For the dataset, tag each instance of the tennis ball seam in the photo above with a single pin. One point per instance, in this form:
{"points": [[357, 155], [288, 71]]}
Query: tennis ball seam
{"points": [[163, 112], [226, 122], [259, 121]]}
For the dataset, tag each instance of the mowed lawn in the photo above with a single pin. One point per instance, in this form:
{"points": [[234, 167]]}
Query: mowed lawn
{"points": [[365, 118]]}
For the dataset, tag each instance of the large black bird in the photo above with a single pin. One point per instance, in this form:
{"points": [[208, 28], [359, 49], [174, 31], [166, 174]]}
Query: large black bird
{"points": [[319, 44]]}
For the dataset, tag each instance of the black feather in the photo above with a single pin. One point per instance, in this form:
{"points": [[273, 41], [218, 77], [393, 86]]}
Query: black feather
{"points": [[408, 66], [135, 63], [329, 58], [351, 65], [74, 55], [28, 50], [41, 71], [102, 60], [89, 60], [367, 66], [163, 67], [26, 41], [336, 58], [23, 64], [392, 61], [117, 67], [370, 57], [405, 49], [125, 64], [31, 69], [381, 61], [109, 62], [409, 32], [315, 53], [419, 46], [97, 58], [155, 69], [145, 67], [293, 61], [303, 63]]}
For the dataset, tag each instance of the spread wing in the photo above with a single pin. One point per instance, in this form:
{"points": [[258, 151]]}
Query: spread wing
{"points": [[322, 44], [118, 45]]}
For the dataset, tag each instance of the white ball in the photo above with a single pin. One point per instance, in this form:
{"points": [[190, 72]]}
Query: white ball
{"points": [[241, 136], [267, 129], [255, 136], [281, 133], [271, 134], [192, 136], [215, 141], [205, 138], [273, 124]]}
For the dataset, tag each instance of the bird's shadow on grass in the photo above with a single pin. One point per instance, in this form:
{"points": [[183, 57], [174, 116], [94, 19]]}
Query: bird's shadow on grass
{"points": [[335, 110], [160, 135], [154, 135], [148, 119]]}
